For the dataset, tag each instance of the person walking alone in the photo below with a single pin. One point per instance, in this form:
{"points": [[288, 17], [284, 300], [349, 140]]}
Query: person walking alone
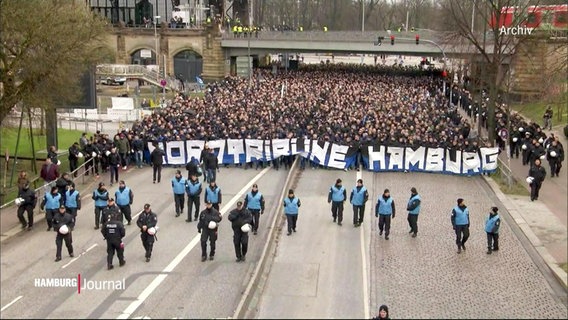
{"points": [[241, 218], [291, 208], [492, 224], [193, 189], [384, 210], [460, 222], [208, 226], [146, 221], [358, 198], [254, 202], [413, 208], [157, 160], [62, 224], [337, 196], [28, 204]]}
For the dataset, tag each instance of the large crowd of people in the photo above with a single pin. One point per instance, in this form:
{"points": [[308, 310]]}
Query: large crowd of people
{"points": [[343, 104]]}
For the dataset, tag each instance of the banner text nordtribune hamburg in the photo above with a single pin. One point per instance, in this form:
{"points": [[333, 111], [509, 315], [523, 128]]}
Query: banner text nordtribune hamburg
{"points": [[376, 157]]}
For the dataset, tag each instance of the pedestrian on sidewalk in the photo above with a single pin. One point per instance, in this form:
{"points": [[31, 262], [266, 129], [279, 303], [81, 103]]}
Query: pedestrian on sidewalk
{"points": [[124, 199], [413, 208], [241, 219], [384, 210], [383, 313], [337, 196], [208, 226], [254, 202], [62, 224], [547, 117], [291, 208], [492, 224], [460, 223], [193, 189], [147, 222], [538, 174], [358, 198], [114, 160], [178, 187]]}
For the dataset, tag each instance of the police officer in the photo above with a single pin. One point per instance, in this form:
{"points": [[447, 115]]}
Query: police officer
{"points": [[385, 209], [178, 187], [113, 232], [124, 198], [460, 222], [492, 224], [213, 195], [337, 196], [27, 205], [240, 217], [291, 208], [358, 198], [413, 208], [62, 224], [111, 212], [100, 195], [193, 190], [539, 174], [72, 202], [204, 226], [147, 220], [51, 202], [254, 202]]}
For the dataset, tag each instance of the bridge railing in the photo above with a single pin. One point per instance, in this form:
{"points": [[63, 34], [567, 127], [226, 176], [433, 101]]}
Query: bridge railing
{"points": [[333, 35], [138, 71]]}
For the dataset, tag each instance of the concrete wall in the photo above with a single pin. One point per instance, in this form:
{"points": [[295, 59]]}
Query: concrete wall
{"points": [[206, 42]]}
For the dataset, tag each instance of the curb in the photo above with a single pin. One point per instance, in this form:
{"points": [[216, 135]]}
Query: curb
{"points": [[267, 256], [552, 264]]}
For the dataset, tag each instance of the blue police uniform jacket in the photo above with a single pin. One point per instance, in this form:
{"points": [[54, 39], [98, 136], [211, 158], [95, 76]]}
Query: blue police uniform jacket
{"points": [[337, 194], [490, 224], [462, 216], [417, 209], [253, 202], [52, 202], [71, 199], [385, 206], [291, 206], [193, 187], [358, 196], [101, 198], [122, 197], [212, 196], [178, 185]]}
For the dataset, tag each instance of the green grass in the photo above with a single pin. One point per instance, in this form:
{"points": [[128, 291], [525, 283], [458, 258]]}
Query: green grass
{"points": [[516, 188], [9, 137], [564, 267], [535, 110]]}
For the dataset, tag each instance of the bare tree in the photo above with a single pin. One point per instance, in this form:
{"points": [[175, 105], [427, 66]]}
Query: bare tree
{"points": [[494, 47], [45, 45]]}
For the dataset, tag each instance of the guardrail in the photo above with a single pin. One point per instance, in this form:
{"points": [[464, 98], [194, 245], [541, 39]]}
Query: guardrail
{"points": [[138, 71], [40, 191], [334, 35]]}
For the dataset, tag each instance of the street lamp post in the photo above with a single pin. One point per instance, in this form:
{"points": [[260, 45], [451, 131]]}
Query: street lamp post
{"points": [[156, 46], [249, 63]]}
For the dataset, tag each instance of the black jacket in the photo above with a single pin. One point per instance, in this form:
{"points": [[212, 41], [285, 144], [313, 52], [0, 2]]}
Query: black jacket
{"points": [[148, 219], [111, 213], [29, 197], [239, 218], [538, 173], [207, 216], [156, 157], [113, 231], [210, 161], [114, 159], [61, 219]]}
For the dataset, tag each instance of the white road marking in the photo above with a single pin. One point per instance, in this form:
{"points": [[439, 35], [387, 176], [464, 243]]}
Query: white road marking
{"points": [[11, 303], [364, 264], [171, 266], [82, 253]]}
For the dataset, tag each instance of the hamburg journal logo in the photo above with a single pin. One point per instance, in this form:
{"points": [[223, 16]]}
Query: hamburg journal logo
{"points": [[80, 284]]}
